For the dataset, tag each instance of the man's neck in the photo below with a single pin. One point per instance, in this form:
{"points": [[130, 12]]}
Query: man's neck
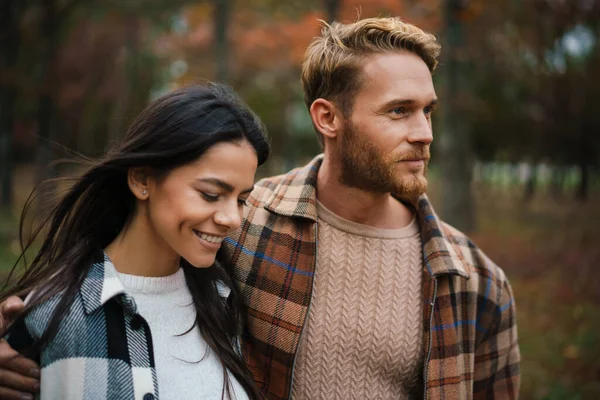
{"points": [[379, 210]]}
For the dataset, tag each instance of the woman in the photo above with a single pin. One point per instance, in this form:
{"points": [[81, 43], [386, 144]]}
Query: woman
{"points": [[125, 298]]}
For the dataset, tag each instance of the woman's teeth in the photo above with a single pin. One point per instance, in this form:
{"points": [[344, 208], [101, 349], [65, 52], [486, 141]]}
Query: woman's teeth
{"points": [[210, 238]]}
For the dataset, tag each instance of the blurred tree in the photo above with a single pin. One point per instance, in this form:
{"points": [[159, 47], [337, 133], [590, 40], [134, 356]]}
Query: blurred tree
{"points": [[53, 24], [526, 86], [532, 96], [222, 16], [332, 9], [457, 206], [267, 44], [10, 38], [65, 97]]}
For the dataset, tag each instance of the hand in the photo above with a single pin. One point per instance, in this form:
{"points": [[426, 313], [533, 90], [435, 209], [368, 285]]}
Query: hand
{"points": [[19, 376], [9, 310]]}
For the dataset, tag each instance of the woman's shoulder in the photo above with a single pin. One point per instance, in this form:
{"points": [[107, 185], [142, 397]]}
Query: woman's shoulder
{"points": [[58, 328], [28, 328], [37, 320]]}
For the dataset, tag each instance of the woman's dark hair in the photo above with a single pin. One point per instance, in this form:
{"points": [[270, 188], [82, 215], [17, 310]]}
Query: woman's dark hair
{"points": [[172, 131]]}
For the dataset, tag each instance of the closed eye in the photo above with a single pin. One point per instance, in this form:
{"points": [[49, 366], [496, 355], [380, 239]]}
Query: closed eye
{"points": [[210, 197]]}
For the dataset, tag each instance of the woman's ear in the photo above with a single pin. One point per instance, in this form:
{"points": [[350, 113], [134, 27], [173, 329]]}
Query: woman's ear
{"points": [[137, 180], [326, 118]]}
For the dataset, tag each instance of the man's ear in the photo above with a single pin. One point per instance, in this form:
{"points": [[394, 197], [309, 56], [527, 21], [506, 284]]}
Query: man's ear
{"points": [[326, 118], [137, 180]]}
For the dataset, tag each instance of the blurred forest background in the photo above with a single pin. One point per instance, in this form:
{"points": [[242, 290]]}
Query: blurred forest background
{"points": [[516, 150]]}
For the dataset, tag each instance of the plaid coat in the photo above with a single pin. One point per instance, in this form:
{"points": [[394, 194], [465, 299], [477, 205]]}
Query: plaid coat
{"points": [[103, 348], [470, 334]]}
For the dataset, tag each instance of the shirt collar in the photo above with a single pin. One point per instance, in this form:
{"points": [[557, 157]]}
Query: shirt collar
{"points": [[296, 196]]}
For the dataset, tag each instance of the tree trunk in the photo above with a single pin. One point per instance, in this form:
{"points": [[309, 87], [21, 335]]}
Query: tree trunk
{"points": [[98, 142], [584, 182], [456, 161], [8, 97], [137, 96], [123, 110], [281, 140], [530, 184], [332, 8], [46, 112], [221, 43], [586, 130], [585, 159], [557, 181], [9, 51]]}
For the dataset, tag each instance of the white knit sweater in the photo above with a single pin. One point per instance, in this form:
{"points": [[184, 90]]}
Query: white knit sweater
{"points": [[186, 367]]}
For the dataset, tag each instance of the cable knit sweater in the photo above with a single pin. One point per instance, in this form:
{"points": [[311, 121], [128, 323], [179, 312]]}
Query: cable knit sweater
{"points": [[363, 336]]}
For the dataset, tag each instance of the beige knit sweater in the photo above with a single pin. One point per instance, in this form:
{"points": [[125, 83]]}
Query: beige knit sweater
{"points": [[363, 335]]}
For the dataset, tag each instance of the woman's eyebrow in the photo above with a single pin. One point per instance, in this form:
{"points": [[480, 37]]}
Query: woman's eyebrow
{"points": [[223, 185]]}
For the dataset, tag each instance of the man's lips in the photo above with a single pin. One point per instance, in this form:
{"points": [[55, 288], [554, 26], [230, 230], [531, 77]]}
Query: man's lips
{"points": [[413, 158], [414, 162]]}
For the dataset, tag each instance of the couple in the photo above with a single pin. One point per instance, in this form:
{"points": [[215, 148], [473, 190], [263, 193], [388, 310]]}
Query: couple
{"points": [[341, 282]]}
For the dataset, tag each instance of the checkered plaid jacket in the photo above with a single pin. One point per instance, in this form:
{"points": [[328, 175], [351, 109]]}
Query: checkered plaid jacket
{"points": [[469, 315], [103, 348]]}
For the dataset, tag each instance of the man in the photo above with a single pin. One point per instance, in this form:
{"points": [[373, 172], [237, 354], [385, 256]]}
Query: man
{"points": [[354, 288]]}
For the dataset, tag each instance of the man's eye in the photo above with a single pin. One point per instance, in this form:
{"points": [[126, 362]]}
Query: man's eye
{"points": [[399, 110], [210, 197], [428, 110], [243, 202]]}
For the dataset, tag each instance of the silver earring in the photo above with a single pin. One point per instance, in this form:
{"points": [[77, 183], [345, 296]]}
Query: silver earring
{"points": [[135, 185], [144, 192]]}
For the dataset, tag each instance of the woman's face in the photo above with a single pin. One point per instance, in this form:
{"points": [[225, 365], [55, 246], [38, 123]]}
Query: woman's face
{"points": [[197, 205]]}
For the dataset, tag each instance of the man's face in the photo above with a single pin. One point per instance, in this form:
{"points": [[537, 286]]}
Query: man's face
{"points": [[385, 143]]}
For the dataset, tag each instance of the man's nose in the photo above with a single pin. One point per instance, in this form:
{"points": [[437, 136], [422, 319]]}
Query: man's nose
{"points": [[421, 131]]}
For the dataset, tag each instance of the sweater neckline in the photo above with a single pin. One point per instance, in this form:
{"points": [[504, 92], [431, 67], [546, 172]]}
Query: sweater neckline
{"points": [[152, 284], [358, 229]]}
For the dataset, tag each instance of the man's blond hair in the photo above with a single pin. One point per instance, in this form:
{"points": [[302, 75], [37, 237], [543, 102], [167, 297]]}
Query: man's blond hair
{"points": [[333, 62]]}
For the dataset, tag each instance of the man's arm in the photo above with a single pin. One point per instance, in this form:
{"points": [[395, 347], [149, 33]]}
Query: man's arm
{"points": [[497, 358], [19, 376]]}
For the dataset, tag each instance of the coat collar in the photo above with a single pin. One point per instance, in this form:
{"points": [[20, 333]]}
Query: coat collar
{"points": [[296, 196], [101, 284]]}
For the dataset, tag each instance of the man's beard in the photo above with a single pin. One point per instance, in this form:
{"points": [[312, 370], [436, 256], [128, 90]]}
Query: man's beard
{"points": [[365, 167]]}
